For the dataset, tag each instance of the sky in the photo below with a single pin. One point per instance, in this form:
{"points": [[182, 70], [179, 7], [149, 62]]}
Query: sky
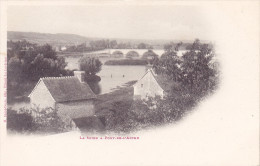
{"points": [[112, 21]]}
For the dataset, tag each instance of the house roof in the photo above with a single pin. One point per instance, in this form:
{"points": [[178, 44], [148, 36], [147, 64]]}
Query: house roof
{"points": [[163, 81], [64, 89]]}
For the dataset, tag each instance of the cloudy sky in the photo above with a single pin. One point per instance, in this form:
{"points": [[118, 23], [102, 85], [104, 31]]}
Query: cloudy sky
{"points": [[112, 21]]}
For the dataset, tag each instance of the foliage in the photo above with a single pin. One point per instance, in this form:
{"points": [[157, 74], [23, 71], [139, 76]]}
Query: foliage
{"points": [[132, 54], [119, 119], [96, 45], [193, 70], [168, 65], [90, 65], [126, 62], [22, 122], [124, 45], [144, 46], [29, 62], [197, 73], [176, 46], [112, 44], [130, 116], [35, 120], [32, 62], [195, 77]]}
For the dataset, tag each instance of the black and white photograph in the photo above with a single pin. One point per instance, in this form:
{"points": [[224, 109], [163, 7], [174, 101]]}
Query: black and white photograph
{"points": [[112, 81], [176, 83]]}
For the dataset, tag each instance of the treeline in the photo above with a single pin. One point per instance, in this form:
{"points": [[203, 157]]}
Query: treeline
{"points": [[27, 63], [105, 44]]}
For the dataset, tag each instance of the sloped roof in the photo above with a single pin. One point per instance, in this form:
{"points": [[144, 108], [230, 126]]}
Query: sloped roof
{"points": [[163, 81], [69, 88]]}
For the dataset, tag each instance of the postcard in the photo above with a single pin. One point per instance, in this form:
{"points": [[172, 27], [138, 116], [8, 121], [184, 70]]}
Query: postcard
{"points": [[129, 83]]}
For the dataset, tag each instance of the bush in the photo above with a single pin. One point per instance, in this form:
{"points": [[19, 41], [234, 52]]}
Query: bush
{"points": [[120, 119], [90, 65], [35, 120], [20, 122]]}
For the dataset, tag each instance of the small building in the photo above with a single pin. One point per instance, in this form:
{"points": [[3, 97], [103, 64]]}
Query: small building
{"points": [[57, 48], [63, 48], [151, 85], [70, 95]]}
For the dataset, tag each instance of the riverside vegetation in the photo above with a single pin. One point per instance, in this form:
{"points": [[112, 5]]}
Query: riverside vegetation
{"points": [[196, 75]]}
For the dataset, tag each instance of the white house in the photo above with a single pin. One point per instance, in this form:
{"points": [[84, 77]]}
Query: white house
{"points": [[150, 85], [70, 95], [63, 48]]}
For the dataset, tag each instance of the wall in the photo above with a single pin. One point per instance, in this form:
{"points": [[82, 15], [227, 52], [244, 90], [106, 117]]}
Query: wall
{"points": [[150, 87], [42, 97], [76, 109]]}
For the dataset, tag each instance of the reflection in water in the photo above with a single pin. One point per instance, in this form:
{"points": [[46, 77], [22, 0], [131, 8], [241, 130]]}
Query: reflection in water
{"points": [[95, 87]]}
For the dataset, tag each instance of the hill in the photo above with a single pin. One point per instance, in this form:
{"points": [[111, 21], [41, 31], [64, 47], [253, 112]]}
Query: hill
{"points": [[60, 39], [43, 38]]}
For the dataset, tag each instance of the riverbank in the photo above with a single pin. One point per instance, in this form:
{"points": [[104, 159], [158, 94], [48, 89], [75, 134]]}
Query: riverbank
{"points": [[123, 93], [127, 62]]}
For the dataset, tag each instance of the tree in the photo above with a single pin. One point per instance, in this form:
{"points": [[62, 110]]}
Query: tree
{"points": [[197, 73], [14, 69], [192, 70], [169, 65], [168, 47], [90, 65], [35, 61], [27, 63], [194, 46], [141, 46], [172, 46], [112, 44]]}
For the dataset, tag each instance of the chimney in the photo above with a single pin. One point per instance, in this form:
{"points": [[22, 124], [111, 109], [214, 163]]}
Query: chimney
{"points": [[80, 75]]}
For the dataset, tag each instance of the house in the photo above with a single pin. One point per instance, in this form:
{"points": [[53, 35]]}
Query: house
{"points": [[70, 95], [63, 48], [57, 48], [151, 85]]}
